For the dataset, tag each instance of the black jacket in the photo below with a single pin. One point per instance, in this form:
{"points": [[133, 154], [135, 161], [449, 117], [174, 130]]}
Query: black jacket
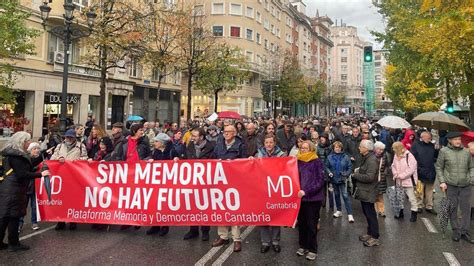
{"points": [[13, 189], [425, 155], [120, 150], [353, 150], [237, 150], [206, 153], [285, 143], [251, 142], [367, 179]]}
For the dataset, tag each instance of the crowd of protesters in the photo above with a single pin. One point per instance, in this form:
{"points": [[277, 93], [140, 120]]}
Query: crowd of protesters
{"points": [[348, 158]]}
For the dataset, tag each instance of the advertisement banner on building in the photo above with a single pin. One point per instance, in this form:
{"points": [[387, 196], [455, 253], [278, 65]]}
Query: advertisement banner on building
{"points": [[198, 192]]}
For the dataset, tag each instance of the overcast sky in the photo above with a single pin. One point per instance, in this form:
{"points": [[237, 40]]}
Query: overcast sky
{"points": [[359, 13]]}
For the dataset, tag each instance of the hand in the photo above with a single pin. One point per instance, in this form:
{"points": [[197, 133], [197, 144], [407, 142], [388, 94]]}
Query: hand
{"points": [[176, 159], [61, 159], [45, 173], [251, 157], [301, 194], [331, 175], [443, 187], [352, 159], [90, 160], [50, 151], [149, 161], [356, 170]]}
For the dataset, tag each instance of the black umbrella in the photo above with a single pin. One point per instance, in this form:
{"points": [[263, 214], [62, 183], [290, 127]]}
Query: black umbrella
{"points": [[46, 180], [446, 208]]}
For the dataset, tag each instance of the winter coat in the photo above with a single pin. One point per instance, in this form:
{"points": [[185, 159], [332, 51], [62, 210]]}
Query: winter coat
{"points": [[92, 146], [285, 143], [13, 189], [312, 179], [206, 153], [385, 172], [455, 167], [425, 155], [167, 154], [179, 148], [237, 150], [120, 150], [366, 179], [352, 150], [323, 151], [404, 168], [277, 152], [406, 141], [251, 142], [77, 152], [339, 164]]}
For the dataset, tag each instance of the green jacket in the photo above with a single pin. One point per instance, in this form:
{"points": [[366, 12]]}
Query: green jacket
{"points": [[455, 167]]}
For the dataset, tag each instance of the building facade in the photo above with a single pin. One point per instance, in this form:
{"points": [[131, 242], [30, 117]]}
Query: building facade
{"points": [[383, 102], [347, 65]]}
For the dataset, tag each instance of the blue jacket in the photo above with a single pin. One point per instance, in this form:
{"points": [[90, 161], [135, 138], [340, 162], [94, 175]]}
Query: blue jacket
{"points": [[237, 150], [339, 164]]}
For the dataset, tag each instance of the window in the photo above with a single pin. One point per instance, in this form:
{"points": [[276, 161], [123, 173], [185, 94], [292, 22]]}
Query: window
{"points": [[378, 64], [343, 76], [258, 17], [155, 75], [80, 4], [135, 70], [235, 31], [218, 31], [249, 34], [272, 10], [278, 14], [56, 45], [266, 24], [272, 28], [236, 9], [198, 10], [249, 12], [266, 44], [257, 38], [249, 56], [304, 46], [218, 8], [343, 59], [343, 68]]}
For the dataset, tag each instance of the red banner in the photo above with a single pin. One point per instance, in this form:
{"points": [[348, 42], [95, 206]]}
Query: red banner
{"points": [[198, 192]]}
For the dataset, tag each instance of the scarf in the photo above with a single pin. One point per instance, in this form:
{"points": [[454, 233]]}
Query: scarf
{"points": [[199, 147], [307, 156]]}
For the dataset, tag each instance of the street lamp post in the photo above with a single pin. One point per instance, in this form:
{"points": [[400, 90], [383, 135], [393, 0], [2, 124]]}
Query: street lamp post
{"points": [[68, 34]]}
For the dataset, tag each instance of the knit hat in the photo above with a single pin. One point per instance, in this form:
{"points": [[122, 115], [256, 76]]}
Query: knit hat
{"points": [[162, 137], [70, 133], [32, 146], [118, 124]]}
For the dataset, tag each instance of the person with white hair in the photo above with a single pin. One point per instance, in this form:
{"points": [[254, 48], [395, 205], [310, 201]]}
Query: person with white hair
{"points": [[34, 150], [366, 191], [384, 174], [19, 170]]}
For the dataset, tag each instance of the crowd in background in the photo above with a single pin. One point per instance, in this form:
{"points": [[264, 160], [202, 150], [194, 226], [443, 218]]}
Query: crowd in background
{"points": [[348, 158]]}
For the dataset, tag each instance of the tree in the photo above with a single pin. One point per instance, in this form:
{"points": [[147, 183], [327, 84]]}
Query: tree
{"points": [[416, 36], [224, 71], [162, 54], [15, 40], [196, 41], [116, 40]]}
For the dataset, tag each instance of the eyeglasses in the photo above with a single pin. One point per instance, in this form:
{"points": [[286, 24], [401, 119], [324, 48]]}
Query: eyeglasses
{"points": [[228, 131]]}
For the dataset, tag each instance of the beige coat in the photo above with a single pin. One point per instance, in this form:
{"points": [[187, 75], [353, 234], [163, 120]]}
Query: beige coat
{"points": [[78, 152]]}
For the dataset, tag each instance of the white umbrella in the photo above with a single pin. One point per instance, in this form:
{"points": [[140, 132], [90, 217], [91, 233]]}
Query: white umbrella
{"points": [[440, 121], [391, 121]]}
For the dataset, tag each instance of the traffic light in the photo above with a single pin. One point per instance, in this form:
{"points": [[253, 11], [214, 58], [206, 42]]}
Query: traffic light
{"points": [[449, 106], [368, 56]]}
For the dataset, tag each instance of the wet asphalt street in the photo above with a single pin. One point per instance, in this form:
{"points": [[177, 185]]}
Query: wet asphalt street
{"points": [[403, 243]]}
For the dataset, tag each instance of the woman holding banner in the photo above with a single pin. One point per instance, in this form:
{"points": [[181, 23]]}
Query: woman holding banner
{"points": [[132, 149], [311, 170], [18, 171], [163, 150], [270, 235]]}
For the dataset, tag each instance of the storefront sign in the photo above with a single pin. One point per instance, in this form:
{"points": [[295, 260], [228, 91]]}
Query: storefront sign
{"points": [[54, 98], [198, 192], [80, 70]]}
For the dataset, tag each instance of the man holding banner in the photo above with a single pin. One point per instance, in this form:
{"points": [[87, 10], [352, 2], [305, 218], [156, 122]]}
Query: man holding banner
{"points": [[199, 149], [229, 147]]}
